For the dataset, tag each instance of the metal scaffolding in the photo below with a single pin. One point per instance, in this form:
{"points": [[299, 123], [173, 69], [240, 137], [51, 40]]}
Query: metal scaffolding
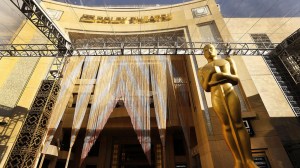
{"points": [[288, 53], [28, 50], [139, 48], [42, 21]]}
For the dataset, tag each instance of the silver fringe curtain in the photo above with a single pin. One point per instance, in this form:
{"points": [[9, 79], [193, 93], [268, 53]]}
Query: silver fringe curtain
{"points": [[86, 86], [125, 78], [70, 75], [158, 70], [181, 89]]}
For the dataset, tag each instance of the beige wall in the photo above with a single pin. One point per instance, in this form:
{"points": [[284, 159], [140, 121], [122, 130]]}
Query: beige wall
{"points": [[260, 83], [181, 17], [277, 30]]}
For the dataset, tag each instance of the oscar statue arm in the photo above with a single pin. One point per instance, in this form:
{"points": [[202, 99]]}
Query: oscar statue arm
{"points": [[233, 72], [229, 76], [205, 78]]}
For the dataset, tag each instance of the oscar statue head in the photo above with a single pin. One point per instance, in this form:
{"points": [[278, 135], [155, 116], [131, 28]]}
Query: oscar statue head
{"points": [[210, 52]]}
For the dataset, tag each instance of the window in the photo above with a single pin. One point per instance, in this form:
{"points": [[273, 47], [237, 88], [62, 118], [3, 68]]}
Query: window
{"points": [[209, 32], [201, 11], [262, 40], [54, 14], [248, 127], [291, 60], [261, 160]]}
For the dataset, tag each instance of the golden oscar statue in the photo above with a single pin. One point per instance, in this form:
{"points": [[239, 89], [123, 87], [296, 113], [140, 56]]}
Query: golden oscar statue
{"points": [[219, 76]]}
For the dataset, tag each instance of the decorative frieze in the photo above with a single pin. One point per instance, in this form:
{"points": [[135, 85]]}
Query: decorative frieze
{"points": [[28, 144]]}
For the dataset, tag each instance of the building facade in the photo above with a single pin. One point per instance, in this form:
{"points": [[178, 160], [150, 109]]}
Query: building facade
{"points": [[145, 111]]}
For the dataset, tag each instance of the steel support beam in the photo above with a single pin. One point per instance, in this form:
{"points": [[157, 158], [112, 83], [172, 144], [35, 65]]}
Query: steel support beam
{"points": [[29, 50], [119, 49]]}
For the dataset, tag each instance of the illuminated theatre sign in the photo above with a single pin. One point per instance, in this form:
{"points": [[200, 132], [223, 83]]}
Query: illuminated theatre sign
{"points": [[125, 20]]}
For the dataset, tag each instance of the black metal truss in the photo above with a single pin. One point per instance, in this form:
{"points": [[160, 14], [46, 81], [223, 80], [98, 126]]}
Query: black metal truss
{"points": [[29, 50], [291, 61], [285, 82], [284, 63], [118, 49], [290, 43], [55, 71], [289, 55], [42, 21]]}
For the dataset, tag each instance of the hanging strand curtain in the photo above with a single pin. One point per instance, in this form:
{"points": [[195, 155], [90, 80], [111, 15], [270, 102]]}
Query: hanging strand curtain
{"points": [[70, 76], [172, 105], [158, 73], [180, 82], [104, 100], [124, 78], [87, 81], [137, 101]]}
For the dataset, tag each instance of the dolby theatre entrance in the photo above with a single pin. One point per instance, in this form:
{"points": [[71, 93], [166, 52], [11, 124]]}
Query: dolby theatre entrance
{"points": [[130, 155], [121, 149], [124, 112]]}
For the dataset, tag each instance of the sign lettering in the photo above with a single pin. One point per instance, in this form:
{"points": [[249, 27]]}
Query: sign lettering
{"points": [[125, 20]]}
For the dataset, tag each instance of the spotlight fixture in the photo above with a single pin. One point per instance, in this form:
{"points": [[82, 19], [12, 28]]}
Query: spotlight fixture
{"points": [[55, 74]]}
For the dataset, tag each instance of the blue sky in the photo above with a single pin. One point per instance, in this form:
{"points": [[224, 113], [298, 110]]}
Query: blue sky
{"points": [[229, 8], [260, 8]]}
